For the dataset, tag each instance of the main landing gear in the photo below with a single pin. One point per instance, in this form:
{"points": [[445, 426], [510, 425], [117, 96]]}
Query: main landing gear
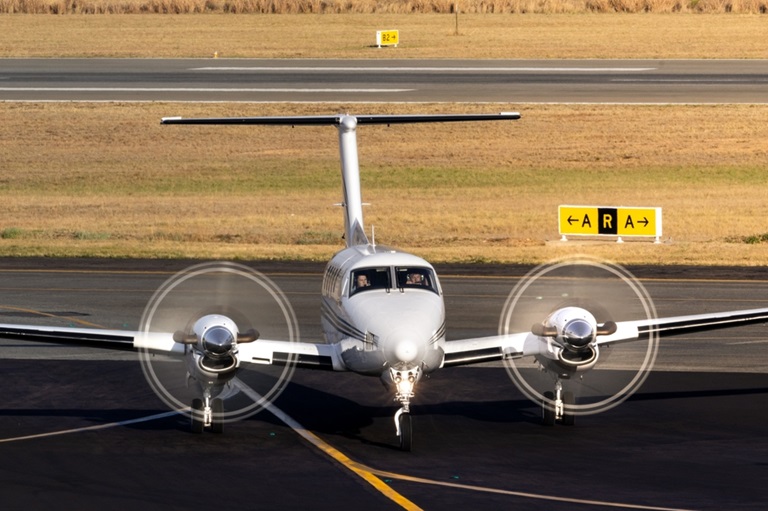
{"points": [[555, 407], [405, 382], [207, 413]]}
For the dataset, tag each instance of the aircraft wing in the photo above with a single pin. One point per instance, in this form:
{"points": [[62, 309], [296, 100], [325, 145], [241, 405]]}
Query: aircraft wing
{"points": [[303, 354], [262, 351], [488, 349], [102, 338], [501, 347], [679, 325]]}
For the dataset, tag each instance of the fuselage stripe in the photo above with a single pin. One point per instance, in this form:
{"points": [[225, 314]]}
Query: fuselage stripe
{"points": [[439, 334], [341, 324]]}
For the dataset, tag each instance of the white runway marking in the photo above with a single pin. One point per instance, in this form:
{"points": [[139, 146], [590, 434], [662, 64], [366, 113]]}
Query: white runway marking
{"points": [[760, 341], [537, 496], [90, 428], [690, 80], [400, 69], [197, 89]]}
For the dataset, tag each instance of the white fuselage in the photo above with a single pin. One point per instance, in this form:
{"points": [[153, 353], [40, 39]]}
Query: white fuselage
{"points": [[383, 309]]}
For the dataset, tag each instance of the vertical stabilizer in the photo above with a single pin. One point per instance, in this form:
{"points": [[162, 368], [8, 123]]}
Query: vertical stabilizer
{"points": [[350, 178]]}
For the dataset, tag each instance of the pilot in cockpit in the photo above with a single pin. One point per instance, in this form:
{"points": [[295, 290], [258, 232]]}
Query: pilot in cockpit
{"points": [[415, 279], [361, 281]]}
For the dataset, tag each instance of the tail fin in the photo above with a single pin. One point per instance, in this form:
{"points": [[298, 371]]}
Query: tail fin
{"points": [[350, 169]]}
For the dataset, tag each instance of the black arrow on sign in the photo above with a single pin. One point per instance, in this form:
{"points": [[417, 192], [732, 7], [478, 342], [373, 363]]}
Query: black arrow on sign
{"points": [[571, 220], [644, 221]]}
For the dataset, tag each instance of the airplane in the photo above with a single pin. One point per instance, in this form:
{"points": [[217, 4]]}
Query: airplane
{"points": [[382, 314]]}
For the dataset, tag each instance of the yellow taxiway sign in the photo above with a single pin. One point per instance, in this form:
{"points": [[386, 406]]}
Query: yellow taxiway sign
{"points": [[609, 221]]}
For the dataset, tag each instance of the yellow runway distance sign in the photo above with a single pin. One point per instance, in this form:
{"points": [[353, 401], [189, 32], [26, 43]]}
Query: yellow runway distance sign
{"points": [[387, 38], [609, 221]]}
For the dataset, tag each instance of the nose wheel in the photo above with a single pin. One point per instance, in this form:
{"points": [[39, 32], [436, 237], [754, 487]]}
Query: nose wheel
{"points": [[404, 424], [555, 407], [405, 382], [208, 413]]}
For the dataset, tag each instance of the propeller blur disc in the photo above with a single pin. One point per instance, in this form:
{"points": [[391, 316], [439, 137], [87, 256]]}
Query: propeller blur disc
{"points": [[243, 295], [610, 293]]}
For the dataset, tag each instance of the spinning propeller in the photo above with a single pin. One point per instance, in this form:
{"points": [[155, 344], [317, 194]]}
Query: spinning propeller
{"points": [[571, 308], [213, 310]]}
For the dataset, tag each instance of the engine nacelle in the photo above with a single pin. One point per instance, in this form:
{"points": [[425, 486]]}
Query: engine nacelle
{"points": [[212, 348], [572, 334]]}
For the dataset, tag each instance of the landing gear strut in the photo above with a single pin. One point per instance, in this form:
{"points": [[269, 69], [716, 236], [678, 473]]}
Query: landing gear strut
{"points": [[555, 407], [207, 413], [405, 381]]}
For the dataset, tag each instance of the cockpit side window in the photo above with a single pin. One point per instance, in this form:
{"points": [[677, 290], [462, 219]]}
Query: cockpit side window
{"points": [[416, 278], [365, 279]]}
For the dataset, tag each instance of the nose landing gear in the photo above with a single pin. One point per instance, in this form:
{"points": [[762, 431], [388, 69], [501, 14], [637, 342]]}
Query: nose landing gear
{"points": [[405, 382], [555, 407], [207, 413]]}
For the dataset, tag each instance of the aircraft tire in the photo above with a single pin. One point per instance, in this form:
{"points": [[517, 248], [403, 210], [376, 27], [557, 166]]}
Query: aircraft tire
{"points": [[406, 432], [197, 416], [568, 400], [217, 421], [547, 413]]}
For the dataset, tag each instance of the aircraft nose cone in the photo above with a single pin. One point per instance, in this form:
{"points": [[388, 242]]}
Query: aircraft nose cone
{"points": [[406, 351]]}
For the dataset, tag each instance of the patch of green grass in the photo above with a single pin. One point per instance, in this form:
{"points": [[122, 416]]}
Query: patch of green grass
{"points": [[11, 233], [755, 239]]}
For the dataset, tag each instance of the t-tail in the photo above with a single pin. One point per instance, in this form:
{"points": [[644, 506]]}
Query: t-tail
{"points": [[354, 228]]}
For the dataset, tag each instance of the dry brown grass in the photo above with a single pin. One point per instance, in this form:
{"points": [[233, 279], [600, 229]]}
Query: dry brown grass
{"points": [[422, 36], [379, 6], [79, 183]]}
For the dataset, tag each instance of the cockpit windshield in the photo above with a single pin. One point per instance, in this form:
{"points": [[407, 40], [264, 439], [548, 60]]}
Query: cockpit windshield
{"points": [[365, 279], [415, 278], [407, 278]]}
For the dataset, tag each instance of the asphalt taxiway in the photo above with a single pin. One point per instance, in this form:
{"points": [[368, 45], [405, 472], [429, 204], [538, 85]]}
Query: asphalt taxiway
{"points": [[83, 428]]}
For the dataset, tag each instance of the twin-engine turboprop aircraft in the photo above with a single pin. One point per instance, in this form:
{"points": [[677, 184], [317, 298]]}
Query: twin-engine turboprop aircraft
{"points": [[383, 315]]}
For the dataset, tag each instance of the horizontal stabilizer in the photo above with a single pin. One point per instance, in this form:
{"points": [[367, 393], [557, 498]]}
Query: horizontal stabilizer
{"points": [[333, 120]]}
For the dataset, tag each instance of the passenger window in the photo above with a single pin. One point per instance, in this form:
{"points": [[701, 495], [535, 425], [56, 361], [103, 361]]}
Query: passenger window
{"points": [[415, 278], [366, 279]]}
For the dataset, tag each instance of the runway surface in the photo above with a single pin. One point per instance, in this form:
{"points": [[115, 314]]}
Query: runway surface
{"points": [[506, 81], [693, 437]]}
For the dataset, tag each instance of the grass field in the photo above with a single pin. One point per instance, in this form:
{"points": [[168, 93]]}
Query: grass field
{"points": [[681, 35], [91, 179], [79, 183]]}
